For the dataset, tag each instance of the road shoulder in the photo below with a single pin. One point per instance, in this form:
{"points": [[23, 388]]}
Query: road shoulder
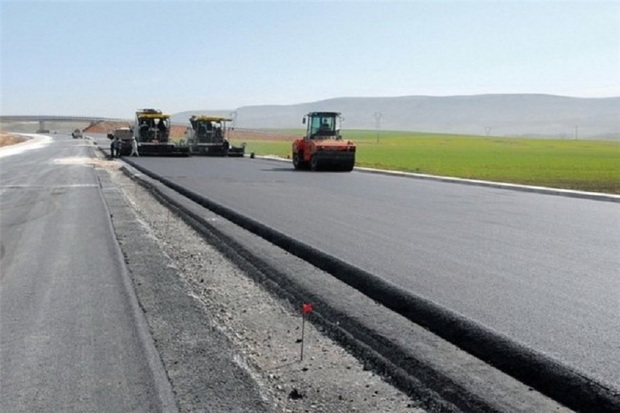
{"points": [[199, 360]]}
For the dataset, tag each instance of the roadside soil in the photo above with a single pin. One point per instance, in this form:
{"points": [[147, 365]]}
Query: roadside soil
{"points": [[264, 329], [178, 131], [249, 135], [10, 139], [105, 127]]}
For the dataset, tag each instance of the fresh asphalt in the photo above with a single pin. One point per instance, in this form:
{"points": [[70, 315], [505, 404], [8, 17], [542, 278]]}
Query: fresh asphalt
{"points": [[540, 269]]}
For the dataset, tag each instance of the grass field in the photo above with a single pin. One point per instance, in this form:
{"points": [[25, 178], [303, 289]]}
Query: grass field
{"points": [[570, 164]]}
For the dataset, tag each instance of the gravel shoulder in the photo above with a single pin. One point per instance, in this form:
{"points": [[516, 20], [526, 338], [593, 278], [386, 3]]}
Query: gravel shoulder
{"points": [[226, 343]]}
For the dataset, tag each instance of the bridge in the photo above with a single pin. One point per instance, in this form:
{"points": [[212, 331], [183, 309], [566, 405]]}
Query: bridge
{"points": [[55, 118]]}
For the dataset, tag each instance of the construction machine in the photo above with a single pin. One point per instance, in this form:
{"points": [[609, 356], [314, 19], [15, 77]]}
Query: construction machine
{"points": [[125, 135], [323, 147], [209, 136], [152, 132]]}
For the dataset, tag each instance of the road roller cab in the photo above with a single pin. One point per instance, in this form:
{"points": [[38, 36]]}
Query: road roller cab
{"points": [[323, 147]]}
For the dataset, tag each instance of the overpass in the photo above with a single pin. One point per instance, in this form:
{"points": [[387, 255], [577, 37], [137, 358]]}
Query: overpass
{"points": [[55, 118]]}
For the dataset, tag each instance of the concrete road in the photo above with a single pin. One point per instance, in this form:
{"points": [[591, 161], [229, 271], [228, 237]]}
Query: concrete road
{"points": [[540, 269], [70, 338]]}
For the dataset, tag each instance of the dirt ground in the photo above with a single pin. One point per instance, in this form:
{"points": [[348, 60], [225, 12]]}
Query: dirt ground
{"points": [[248, 135], [105, 127], [177, 131], [9, 139]]}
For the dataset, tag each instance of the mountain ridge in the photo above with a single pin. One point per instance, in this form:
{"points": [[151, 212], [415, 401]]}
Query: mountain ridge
{"points": [[519, 115]]}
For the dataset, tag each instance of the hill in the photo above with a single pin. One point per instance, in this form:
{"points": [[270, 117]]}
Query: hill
{"points": [[528, 115]]}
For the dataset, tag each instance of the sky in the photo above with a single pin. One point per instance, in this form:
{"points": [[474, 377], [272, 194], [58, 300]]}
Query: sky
{"points": [[109, 58]]}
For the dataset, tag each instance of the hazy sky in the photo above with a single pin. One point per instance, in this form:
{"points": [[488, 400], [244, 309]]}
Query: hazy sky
{"points": [[108, 58]]}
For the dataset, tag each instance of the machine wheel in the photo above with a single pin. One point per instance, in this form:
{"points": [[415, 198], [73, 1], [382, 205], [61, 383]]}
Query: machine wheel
{"points": [[297, 162], [314, 163]]}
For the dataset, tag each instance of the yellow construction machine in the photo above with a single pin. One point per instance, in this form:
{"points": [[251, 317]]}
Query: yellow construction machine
{"points": [[152, 131], [209, 136]]}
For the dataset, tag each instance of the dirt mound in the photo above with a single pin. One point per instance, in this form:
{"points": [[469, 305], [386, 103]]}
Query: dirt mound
{"points": [[7, 139], [106, 127], [178, 131], [109, 127]]}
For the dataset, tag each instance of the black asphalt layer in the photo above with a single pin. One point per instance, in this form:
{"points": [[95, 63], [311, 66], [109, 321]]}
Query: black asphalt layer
{"points": [[430, 370], [537, 269], [71, 337]]}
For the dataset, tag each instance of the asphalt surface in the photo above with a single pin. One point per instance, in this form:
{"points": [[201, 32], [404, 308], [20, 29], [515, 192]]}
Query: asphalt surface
{"points": [[539, 269], [71, 336]]}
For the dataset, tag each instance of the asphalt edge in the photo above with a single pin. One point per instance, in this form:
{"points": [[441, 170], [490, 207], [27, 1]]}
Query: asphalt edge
{"points": [[597, 196], [542, 373]]}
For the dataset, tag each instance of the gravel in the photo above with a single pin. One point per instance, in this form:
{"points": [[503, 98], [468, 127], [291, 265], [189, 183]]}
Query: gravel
{"points": [[263, 330]]}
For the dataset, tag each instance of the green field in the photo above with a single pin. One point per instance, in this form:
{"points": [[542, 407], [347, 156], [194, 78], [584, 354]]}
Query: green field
{"points": [[559, 163]]}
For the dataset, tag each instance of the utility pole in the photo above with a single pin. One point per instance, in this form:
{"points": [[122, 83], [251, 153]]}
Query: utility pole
{"points": [[233, 116], [377, 116], [576, 132]]}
